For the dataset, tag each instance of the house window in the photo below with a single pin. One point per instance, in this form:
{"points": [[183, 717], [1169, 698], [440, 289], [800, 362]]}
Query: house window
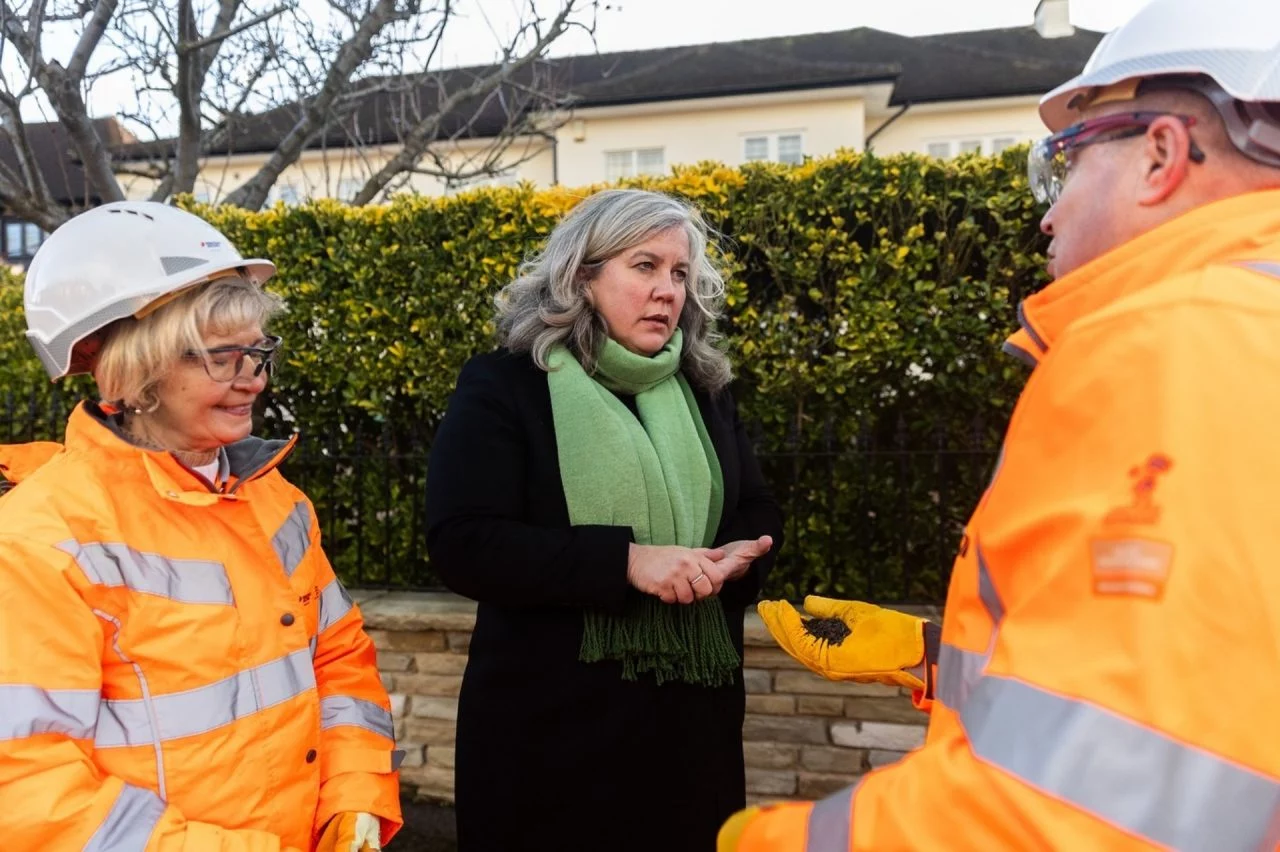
{"points": [[1001, 142], [791, 149], [348, 188], [636, 161], [777, 147], [21, 239], [287, 192], [13, 240], [943, 148], [506, 177]]}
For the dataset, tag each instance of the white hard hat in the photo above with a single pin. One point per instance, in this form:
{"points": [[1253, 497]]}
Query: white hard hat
{"points": [[1233, 43], [113, 262]]}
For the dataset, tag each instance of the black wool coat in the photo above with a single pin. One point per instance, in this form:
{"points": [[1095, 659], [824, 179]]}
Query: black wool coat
{"points": [[554, 754]]}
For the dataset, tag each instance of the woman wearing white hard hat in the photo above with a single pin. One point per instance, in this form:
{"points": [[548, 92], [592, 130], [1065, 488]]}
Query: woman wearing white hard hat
{"points": [[1106, 676], [179, 667]]}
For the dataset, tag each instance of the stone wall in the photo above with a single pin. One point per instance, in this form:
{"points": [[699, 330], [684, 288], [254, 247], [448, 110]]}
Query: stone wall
{"points": [[804, 736]]}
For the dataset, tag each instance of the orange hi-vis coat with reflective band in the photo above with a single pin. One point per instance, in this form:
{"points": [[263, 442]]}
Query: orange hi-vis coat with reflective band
{"points": [[179, 667], [1109, 677]]}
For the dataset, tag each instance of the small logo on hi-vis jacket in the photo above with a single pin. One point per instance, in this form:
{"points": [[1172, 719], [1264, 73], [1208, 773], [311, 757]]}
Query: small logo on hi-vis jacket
{"points": [[1138, 567], [1143, 509]]}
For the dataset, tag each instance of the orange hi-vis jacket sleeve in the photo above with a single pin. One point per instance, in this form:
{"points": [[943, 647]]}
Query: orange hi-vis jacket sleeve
{"points": [[1112, 631], [180, 670], [356, 761]]}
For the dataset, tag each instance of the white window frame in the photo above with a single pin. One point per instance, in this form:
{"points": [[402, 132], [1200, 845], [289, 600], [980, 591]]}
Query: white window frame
{"points": [[30, 237], [986, 142], [282, 189], [14, 233], [771, 138], [633, 168], [505, 177], [348, 187]]}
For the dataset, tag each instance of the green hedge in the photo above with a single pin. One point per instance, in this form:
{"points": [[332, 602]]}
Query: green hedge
{"points": [[867, 301]]}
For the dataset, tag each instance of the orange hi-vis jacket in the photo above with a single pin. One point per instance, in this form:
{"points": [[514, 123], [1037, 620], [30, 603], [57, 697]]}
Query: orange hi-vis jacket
{"points": [[1109, 677], [179, 667]]}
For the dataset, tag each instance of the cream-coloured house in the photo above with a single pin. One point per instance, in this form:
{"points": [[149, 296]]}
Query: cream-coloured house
{"points": [[780, 99]]}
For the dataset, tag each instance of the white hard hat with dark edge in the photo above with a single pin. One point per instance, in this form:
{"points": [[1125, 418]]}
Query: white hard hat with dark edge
{"points": [[113, 262], [1233, 43]]}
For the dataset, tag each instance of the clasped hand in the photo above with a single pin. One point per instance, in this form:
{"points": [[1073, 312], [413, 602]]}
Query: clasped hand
{"points": [[687, 574]]}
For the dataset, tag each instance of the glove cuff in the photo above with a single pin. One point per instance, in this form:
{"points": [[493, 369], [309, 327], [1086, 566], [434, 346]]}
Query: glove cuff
{"points": [[932, 646]]}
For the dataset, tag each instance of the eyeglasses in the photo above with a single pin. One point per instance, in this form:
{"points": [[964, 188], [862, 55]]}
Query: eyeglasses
{"points": [[1050, 160], [225, 363]]}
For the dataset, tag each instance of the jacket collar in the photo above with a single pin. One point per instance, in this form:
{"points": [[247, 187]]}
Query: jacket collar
{"points": [[1244, 227], [96, 430]]}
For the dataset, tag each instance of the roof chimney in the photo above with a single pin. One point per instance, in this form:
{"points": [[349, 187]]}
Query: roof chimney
{"points": [[1053, 19]]}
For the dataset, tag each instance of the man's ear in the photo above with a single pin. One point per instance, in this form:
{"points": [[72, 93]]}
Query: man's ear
{"points": [[1166, 160]]}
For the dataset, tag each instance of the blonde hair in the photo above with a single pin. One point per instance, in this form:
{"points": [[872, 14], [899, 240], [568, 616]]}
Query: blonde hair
{"points": [[547, 303], [136, 354]]}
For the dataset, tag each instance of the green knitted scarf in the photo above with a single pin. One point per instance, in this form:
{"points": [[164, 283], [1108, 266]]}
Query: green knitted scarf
{"points": [[657, 474]]}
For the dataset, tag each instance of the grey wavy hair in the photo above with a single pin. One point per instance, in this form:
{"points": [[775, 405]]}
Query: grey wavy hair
{"points": [[547, 302]]}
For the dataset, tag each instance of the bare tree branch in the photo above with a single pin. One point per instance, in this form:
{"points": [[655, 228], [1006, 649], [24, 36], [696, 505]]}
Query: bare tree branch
{"points": [[352, 55], [212, 80], [29, 176], [419, 139], [90, 38], [223, 34], [188, 92], [63, 91]]}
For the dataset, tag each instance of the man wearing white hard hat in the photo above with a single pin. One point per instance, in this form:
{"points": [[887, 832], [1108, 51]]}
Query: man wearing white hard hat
{"points": [[1108, 669]]}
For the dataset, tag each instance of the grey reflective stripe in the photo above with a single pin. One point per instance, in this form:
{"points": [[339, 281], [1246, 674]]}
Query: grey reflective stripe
{"points": [[27, 710], [1031, 332], [830, 822], [958, 672], [1129, 775], [293, 538], [334, 603], [987, 589], [192, 581], [338, 710], [1021, 354], [1272, 269], [206, 708], [130, 822], [996, 472], [149, 717]]}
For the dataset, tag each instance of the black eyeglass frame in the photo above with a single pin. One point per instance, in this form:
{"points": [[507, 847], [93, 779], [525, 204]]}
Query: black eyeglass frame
{"points": [[262, 356]]}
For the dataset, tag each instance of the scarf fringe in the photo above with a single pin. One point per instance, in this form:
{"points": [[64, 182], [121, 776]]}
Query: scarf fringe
{"points": [[673, 642]]}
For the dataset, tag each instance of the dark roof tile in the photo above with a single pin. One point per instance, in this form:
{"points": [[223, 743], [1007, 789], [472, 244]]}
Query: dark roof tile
{"points": [[953, 66]]}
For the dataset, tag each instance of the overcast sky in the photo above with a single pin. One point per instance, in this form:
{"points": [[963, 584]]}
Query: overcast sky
{"points": [[639, 24]]}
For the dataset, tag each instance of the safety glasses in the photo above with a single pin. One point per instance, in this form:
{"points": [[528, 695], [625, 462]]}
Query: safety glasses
{"points": [[225, 363], [1050, 160]]}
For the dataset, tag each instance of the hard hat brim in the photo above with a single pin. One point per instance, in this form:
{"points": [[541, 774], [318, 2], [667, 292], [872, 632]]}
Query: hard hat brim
{"points": [[1244, 74], [58, 356]]}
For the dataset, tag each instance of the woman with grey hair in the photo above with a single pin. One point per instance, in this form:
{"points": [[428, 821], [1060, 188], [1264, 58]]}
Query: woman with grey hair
{"points": [[592, 487]]}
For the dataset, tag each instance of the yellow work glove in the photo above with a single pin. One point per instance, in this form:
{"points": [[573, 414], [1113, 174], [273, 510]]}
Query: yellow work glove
{"points": [[881, 645], [351, 832], [731, 831]]}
